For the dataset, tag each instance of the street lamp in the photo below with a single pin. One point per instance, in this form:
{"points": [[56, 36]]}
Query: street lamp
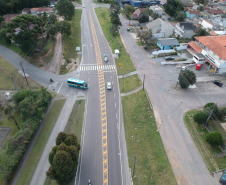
{"points": [[131, 159]]}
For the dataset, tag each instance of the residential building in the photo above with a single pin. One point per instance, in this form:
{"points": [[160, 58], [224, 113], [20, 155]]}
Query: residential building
{"points": [[137, 13], [40, 10], [157, 9], [212, 13], [186, 4], [214, 49], [8, 18], [142, 2], [26, 11], [207, 24], [185, 29], [221, 20], [160, 28], [167, 43], [193, 14]]}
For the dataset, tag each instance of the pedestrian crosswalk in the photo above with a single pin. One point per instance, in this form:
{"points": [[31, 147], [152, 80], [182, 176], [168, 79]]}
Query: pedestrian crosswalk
{"points": [[95, 67]]}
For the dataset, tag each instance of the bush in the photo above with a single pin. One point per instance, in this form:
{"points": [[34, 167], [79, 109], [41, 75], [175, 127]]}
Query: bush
{"points": [[183, 59], [209, 107], [200, 117], [214, 138]]}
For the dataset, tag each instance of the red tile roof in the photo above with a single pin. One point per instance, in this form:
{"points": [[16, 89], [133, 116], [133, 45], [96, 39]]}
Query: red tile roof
{"points": [[8, 18], [193, 45], [42, 9], [217, 11], [26, 10], [216, 44]]}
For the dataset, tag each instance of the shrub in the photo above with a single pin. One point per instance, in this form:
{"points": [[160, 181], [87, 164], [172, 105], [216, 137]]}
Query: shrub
{"points": [[209, 107], [214, 138], [200, 117]]}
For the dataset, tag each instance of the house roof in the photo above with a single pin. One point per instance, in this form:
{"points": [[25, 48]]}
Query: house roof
{"points": [[194, 12], [188, 5], [195, 46], [209, 12], [216, 44], [8, 18], [139, 10], [200, 55], [206, 8], [188, 26], [223, 16], [26, 10], [154, 23], [217, 11], [42, 9], [169, 42]]}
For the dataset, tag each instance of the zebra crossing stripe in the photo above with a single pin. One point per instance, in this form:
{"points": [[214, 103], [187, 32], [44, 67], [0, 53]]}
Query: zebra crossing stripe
{"points": [[94, 68]]}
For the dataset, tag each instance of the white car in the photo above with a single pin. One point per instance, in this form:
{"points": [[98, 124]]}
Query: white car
{"points": [[109, 86], [184, 68], [83, 6]]}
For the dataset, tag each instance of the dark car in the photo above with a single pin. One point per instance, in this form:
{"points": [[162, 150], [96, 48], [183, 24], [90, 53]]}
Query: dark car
{"points": [[223, 179], [218, 83], [128, 29], [169, 58]]}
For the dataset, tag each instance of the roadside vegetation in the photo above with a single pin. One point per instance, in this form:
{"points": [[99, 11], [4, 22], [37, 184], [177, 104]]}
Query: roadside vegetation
{"points": [[209, 139], [130, 83], [74, 125], [72, 41], [7, 71], [124, 63], [40, 143], [143, 141]]}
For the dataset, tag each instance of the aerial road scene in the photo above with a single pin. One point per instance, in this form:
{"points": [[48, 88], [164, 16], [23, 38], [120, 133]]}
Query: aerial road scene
{"points": [[112, 92]]}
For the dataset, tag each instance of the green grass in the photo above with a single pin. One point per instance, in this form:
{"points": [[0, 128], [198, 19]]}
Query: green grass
{"points": [[199, 137], [40, 143], [130, 83], [13, 47], [78, 1], [144, 141], [74, 125], [139, 43], [115, 43], [72, 41], [10, 70]]}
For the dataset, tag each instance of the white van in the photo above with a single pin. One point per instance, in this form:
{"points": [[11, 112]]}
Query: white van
{"points": [[199, 58]]}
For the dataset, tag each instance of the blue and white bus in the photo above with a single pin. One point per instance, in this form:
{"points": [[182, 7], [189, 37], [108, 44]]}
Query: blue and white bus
{"points": [[77, 83]]}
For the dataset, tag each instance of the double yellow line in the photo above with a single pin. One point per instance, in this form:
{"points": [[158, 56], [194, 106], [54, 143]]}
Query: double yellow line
{"points": [[102, 104]]}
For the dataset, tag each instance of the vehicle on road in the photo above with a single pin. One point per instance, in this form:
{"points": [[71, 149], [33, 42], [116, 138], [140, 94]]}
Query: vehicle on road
{"points": [[89, 182], [169, 58], [128, 29], [77, 83], [83, 6], [183, 68], [218, 83], [109, 86], [223, 178], [198, 66], [51, 80], [105, 57]]}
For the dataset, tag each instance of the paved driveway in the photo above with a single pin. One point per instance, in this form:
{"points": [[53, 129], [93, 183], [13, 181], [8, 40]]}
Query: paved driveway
{"points": [[170, 105]]}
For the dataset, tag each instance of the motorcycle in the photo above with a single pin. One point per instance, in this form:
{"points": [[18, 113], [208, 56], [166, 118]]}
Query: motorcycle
{"points": [[51, 80]]}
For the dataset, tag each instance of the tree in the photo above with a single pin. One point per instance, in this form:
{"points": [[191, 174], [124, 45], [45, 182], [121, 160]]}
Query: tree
{"points": [[116, 21], [1, 19], [66, 9], [187, 78], [200, 117], [3, 24], [209, 107], [214, 138], [114, 29], [3, 34], [53, 30], [129, 10], [173, 7], [180, 17], [143, 19], [200, 32], [64, 27], [146, 37], [200, 8], [63, 158]]}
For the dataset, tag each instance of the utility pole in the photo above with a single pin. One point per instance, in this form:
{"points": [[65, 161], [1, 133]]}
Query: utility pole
{"points": [[14, 83], [123, 81], [24, 72], [134, 166], [143, 82], [209, 117]]}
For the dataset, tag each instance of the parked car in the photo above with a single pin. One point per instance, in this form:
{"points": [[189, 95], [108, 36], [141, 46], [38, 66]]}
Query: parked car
{"points": [[109, 86], [169, 58], [128, 29], [183, 68], [105, 57], [218, 83], [223, 178], [83, 6]]}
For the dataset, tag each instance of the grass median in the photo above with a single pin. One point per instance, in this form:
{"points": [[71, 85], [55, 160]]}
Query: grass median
{"points": [[143, 141], [130, 83], [40, 143], [72, 41], [124, 63], [8, 70], [74, 125], [207, 151]]}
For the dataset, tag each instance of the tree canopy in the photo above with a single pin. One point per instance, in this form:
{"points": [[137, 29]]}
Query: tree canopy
{"points": [[66, 9], [144, 18], [64, 157], [63, 27], [200, 32], [187, 78], [214, 138], [200, 117], [129, 10], [173, 7]]}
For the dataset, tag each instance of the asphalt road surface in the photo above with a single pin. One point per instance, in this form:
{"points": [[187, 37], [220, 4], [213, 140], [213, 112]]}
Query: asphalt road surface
{"points": [[91, 157]]}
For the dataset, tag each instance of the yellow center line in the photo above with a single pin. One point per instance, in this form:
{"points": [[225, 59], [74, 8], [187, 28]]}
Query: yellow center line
{"points": [[102, 103]]}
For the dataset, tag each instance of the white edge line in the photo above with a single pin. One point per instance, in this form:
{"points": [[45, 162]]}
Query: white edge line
{"points": [[59, 88]]}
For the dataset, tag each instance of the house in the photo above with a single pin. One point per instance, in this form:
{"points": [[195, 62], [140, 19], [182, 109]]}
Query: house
{"points": [[207, 24], [8, 18], [40, 10], [157, 9], [186, 4], [137, 13], [160, 28], [193, 14], [140, 3], [214, 50], [167, 43], [221, 20], [185, 29], [212, 13], [26, 11]]}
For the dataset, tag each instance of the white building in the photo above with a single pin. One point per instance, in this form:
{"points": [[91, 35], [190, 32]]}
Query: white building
{"points": [[157, 9], [207, 24], [160, 28], [185, 29]]}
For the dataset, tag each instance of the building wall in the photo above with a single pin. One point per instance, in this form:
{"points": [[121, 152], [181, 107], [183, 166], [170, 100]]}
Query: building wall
{"points": [[156, 29], [167, 29], [163, 47], [206, 25], [191, 15], [188, 34]]}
